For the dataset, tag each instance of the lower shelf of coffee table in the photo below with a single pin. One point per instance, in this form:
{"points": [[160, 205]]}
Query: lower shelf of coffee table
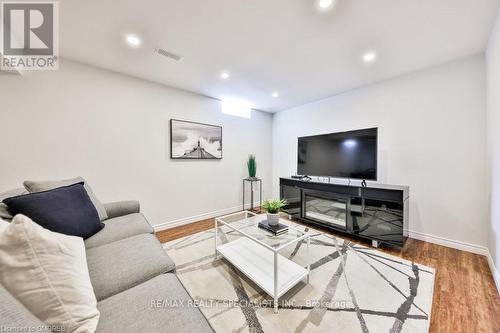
{"points": [[257, 263]]}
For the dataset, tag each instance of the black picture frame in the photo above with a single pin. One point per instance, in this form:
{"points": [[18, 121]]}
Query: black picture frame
{"points": [[198, 152]]}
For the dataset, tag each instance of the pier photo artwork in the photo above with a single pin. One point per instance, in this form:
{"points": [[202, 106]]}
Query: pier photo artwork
{"points": [[191, 140]]}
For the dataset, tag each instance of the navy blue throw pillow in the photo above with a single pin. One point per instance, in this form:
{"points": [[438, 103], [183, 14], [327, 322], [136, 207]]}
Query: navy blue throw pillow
{"points": [[66, 210]]}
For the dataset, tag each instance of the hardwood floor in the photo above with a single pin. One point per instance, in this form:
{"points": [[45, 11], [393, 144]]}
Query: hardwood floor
{"points": [[465, 296], [184, 230]]}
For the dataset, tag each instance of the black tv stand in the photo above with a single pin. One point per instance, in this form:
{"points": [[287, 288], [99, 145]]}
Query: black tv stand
{"points": [[376, 212]]}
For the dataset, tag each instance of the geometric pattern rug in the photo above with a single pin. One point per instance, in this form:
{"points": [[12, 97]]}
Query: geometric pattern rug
{"points": [[351, 288]]}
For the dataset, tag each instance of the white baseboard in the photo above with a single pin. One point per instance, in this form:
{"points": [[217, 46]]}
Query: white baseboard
{"points": [[459, 245], [196, 218], [494, 271], [477, 249]]}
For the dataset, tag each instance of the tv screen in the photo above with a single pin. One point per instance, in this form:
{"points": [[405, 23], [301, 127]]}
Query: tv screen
{"points": [[350, 154]]}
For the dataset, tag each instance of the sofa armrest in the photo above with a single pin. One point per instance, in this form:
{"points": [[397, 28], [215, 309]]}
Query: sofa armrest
{"points": [[121, 208]]}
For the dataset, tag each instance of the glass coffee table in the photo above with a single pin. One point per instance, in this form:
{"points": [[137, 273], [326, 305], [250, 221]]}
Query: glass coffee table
{"points": [[255, 252]]}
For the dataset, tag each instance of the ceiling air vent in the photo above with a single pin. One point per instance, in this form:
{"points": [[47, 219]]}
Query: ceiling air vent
{"points": [[167, 54]]}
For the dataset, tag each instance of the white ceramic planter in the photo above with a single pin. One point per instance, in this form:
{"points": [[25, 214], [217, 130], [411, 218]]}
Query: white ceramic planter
{"points": [[273, 219]]}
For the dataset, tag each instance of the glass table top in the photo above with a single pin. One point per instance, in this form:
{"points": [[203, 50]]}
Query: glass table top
{"points": [[245, 223]]}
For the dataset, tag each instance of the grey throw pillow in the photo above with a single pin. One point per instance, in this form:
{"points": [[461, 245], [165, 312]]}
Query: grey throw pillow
{"points": [[35, 186], [4, 210]]}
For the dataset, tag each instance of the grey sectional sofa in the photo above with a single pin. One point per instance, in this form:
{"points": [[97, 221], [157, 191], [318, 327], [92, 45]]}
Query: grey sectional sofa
{"points": [[129, 270]]}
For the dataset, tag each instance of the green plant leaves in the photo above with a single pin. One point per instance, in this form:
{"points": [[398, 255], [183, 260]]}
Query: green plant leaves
{"points": [[274, 206], [252, 166]]}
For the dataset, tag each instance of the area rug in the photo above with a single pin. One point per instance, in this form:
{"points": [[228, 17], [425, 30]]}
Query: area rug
{"points": [[352, 288]]}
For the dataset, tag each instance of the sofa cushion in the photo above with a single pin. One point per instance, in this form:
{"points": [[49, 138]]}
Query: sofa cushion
{"points": [[67, 210], [123, 264], [4, 210], [47, 272], [119, 228], [14, 314], [37, 186], [135, 310]]}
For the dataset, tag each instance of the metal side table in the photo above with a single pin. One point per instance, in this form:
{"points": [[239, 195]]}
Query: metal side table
{"points": [[252, 181]]}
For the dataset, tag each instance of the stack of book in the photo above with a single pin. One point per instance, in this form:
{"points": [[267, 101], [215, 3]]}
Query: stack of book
{"points": [[276, 230]]}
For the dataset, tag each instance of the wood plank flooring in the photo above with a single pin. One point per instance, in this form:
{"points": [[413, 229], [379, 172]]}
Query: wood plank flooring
{"points": [[465, 296]]}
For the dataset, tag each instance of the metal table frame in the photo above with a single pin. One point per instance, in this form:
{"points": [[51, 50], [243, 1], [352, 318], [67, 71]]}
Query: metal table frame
{"points": [[304, 237]]}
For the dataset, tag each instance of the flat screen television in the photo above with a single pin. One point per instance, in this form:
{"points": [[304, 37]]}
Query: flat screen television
{"points": [[350, 154]]}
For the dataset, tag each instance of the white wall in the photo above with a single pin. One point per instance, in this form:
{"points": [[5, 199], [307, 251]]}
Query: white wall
{"points": [[431, 137], [493, 121], [112, 129]]}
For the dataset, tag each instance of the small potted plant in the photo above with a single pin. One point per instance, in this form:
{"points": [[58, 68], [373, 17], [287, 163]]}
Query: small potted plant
{"points": [[252, 166], [273, 207]]}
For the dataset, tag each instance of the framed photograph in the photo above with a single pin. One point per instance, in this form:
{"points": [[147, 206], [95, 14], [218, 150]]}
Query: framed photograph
{"points": [[192, 141]]}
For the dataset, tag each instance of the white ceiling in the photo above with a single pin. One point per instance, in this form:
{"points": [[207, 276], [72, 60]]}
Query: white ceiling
{"points": [[273, 45]]}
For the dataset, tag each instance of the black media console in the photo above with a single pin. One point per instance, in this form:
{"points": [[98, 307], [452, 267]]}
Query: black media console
{"points": [[376, 212]]}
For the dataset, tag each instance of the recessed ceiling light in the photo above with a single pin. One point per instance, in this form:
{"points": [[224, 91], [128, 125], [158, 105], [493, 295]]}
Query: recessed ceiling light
{"points": [[225, 75], [133, 40], [369, 56], [324, 4], [275, 95]]}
